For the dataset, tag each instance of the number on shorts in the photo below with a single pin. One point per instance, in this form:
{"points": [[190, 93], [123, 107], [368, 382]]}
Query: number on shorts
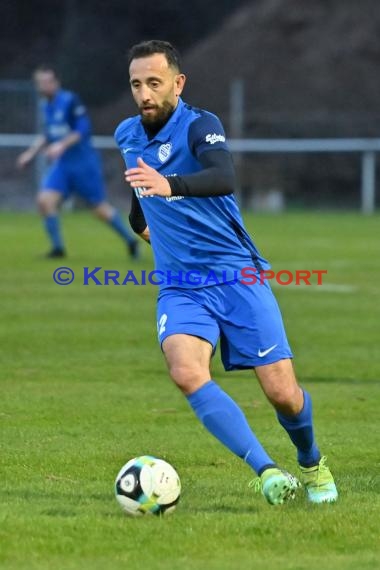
{"points": [[161, 324]]}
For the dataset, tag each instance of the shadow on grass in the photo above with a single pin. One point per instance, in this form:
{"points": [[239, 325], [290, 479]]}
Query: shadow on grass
{"points": [[40, 495], [329, 380], [217, 509], [68, 505]]}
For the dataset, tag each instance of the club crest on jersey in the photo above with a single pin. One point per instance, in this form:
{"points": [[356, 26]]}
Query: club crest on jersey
{"points": [[164, 152]]}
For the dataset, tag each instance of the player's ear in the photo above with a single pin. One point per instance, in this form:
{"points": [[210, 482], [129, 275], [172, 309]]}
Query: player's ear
{"points": [[180, 80]]}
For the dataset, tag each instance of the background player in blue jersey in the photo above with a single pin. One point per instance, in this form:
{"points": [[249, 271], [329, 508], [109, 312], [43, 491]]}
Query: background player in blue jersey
{"points": [[182, 174], [74, 164]]}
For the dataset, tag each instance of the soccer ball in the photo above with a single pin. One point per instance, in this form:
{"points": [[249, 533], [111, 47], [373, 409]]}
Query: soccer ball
{"points": [[147, 485]]}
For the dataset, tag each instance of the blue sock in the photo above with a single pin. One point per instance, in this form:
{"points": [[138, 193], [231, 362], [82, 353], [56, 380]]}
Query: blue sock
{"points": [[117, 223], [300, 431], [225, 420], [52, 227]]}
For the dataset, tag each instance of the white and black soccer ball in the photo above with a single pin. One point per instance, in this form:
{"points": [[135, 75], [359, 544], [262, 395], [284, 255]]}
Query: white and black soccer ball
{"points": [[147, 485]]}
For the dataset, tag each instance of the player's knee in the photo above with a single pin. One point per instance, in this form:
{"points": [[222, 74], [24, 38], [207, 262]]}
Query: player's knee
{"points": [[187, 378], [41, 203], [103, 212], [99, 213], [289, 401], [46, 205]]}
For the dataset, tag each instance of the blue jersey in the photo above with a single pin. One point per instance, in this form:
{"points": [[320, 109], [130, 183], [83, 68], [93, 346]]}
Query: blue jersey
{"points": [[63, 115], [200, 237], [79, 168]]}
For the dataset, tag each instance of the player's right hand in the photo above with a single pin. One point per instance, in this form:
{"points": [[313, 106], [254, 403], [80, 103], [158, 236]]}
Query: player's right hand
{"points": [[55, 150], [23, 159], [151, 182]]}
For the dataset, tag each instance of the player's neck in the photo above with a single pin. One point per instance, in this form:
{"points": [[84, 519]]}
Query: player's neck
{"points": [[51, 96]]}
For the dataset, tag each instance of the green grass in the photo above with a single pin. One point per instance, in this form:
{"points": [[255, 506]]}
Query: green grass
{"points": [[84, 388]]}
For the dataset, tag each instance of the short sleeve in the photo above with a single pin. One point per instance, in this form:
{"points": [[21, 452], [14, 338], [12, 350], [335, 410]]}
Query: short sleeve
{"points": [[79, 120], [122, 130], [77, 107], [206, 133]]}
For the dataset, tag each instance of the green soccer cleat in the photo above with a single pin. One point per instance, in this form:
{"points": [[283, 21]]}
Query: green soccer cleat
{"points": [[319, 483], [276, 485]]}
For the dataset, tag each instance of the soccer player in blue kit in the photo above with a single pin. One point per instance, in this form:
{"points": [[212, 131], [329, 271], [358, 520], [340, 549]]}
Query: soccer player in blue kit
{"points": [[74, 164], [182, 174]]}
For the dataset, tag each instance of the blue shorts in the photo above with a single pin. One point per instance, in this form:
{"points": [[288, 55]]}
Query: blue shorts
{"points": [[246, 318], [83, 177]]}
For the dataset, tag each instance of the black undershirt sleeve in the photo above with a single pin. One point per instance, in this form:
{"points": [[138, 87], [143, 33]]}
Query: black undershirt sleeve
{"points": [[216, 179], [136, 216]]}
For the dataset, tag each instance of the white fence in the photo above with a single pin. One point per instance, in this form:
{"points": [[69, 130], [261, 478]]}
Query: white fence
{"points": [[367, 148]]}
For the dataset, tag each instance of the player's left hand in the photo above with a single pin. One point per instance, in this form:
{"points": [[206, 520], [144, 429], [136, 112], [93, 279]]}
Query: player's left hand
{"points": [[55, 150], [151, 182]]}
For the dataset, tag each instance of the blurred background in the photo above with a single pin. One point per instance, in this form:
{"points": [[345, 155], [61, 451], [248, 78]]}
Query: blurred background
{"points": [[284, 70]]}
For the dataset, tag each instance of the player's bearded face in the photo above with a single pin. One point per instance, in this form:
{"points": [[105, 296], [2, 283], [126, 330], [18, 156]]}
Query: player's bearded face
{"points": [[156, 87]]}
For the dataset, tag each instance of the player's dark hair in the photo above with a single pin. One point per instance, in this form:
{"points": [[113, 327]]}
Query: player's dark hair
{"points": [[151, 47], [46, 68]]}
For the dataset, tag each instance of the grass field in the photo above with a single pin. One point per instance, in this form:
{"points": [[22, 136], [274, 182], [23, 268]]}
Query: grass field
{"points": [[84, 388]]}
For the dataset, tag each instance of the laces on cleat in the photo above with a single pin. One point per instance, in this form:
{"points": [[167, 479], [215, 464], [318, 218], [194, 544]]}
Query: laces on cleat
{"points": [[319, 482], [256, 485]]}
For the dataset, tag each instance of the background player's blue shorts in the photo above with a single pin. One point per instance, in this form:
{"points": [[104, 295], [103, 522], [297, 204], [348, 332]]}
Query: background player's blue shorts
{"points": [[83, 177], [247, 319]]}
